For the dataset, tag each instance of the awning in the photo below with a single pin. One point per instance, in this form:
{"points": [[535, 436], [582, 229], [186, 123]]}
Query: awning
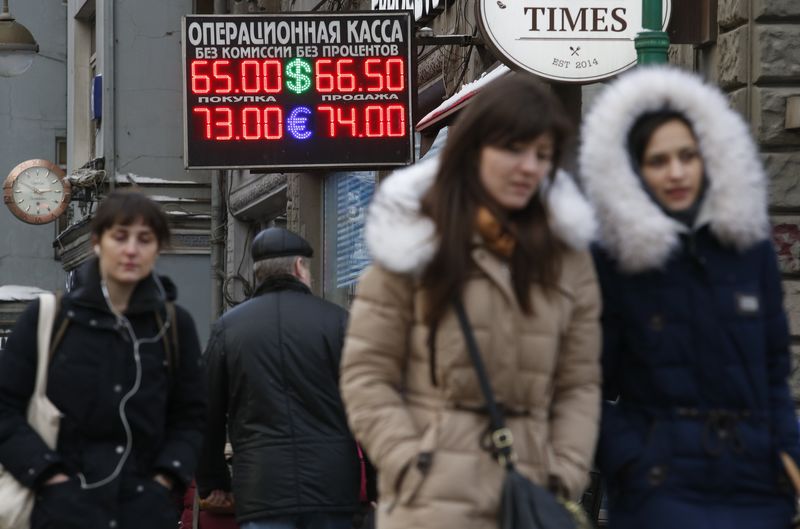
{"points": [[19, 293], [458, 100]]}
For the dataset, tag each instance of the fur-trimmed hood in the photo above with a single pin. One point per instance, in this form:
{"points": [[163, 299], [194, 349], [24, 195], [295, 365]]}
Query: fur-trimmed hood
{"points": [[633, 228], [403, 240]]}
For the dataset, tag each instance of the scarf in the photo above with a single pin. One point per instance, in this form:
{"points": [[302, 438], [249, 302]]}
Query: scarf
{"points": [[499, 239]]}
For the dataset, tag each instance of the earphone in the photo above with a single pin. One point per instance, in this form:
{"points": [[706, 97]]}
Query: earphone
{"points": [[97, 250], [122, 321]]}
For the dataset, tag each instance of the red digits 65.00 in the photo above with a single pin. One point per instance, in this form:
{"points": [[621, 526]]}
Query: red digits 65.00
{"points": [[226, 77]]}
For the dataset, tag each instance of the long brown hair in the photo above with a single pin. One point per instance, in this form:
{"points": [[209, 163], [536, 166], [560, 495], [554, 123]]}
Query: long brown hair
{"points": [[512, 109]]}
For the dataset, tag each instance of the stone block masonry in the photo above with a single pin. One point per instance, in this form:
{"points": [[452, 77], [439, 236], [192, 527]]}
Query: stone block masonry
{"points": [[758, 64]]}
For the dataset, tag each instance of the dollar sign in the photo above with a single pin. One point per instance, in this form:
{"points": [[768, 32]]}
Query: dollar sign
{"points": [[297, 81]]}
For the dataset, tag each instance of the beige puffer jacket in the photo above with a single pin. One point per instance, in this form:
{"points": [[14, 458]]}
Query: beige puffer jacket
{"points": [[416, 414]]}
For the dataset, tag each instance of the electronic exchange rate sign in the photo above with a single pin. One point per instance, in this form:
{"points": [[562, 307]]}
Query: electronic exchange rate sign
{"points": [[298, 90]]}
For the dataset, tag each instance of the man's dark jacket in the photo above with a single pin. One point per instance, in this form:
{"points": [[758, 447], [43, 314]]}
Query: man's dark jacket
{"points": [[273, 366]]}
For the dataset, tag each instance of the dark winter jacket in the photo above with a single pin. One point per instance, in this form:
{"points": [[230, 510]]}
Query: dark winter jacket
{"points": [[92, 371], [696, 344], [273, 367], [697, 353]]}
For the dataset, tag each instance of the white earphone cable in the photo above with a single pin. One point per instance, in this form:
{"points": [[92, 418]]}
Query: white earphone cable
{"points": [[137, 342]]}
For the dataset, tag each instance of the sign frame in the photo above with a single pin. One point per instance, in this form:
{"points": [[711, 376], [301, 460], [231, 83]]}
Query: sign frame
{"points": [[408, 94], [424, 10], [502, 49]]}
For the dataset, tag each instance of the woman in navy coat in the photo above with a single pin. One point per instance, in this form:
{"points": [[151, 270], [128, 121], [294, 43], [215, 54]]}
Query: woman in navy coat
{"points": [[696, 343]]}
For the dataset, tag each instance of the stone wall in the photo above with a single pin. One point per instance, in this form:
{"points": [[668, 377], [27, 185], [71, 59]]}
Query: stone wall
{"points": [[758, 64]]}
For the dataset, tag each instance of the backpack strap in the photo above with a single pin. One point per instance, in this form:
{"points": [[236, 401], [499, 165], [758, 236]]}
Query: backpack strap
{"points": [[170, 338], [173, 330]]}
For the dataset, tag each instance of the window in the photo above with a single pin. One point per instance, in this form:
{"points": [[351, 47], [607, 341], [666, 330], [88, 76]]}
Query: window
{"points": [[61, 152], [94, 125], [61, 160], [347, 196]]}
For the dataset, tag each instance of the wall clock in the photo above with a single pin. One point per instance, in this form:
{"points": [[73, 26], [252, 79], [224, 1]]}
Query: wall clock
{"points": [[37, 191]]}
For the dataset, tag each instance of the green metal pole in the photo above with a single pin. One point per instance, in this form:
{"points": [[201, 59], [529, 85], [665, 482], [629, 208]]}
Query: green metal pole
{"points": [[652, 44]]}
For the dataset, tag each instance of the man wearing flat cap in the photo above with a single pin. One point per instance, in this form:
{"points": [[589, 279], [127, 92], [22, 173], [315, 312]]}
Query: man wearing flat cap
{"points": [[273, 365]]}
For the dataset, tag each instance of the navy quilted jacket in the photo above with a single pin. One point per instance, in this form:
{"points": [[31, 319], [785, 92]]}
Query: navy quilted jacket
{"points": [[696, 357]]}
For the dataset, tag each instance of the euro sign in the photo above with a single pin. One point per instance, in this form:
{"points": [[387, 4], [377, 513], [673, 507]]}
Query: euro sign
{"points": [[297, 81]]}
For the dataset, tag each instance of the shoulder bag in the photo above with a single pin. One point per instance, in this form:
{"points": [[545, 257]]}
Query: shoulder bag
{"points": [[523, 503], [16, 500]]}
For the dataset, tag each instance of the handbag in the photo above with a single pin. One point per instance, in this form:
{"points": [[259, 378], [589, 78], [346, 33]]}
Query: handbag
{"points": [[523, 503], [16, 500]]}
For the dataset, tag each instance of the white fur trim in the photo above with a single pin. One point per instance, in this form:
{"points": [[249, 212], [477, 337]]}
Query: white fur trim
{"points": [[633, 229], [404, 241]]}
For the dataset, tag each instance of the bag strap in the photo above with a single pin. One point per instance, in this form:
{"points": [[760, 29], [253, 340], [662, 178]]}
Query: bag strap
{"points": [[502, 440], [59, 334], [44, 328], [791, 470], [195, 508]]}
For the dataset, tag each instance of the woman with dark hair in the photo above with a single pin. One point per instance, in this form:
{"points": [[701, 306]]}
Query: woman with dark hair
{"points": [[494, 223], [696, 344], [127, 377]]}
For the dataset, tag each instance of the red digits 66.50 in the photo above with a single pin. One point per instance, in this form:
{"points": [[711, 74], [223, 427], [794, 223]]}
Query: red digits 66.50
{"points": [[376, 75], [247, 77]]}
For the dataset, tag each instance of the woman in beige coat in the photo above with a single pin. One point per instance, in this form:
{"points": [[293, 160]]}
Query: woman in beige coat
{"points": [[494, 222]]}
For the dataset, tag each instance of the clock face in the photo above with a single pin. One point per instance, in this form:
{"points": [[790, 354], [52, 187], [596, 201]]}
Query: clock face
{"points": [[36, 191]]}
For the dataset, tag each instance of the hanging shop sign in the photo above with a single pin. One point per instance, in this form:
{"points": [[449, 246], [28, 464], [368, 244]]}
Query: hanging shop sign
{"points": [[298, 91], [578, 41], [424, 10]]}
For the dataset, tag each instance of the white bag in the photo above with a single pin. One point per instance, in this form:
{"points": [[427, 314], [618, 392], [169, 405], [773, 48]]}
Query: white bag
{"points": [[16, 500]]}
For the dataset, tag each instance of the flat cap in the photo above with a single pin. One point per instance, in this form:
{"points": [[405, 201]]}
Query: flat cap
{"points": [[279, 242]]}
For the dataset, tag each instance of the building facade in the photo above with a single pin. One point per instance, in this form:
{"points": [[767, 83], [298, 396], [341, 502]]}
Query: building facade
{"points": [[751, 48], [118, 70], [756, 59], [33, 117], [125, 128]]}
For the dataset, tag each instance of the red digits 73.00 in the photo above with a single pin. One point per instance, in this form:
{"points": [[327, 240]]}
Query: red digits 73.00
{"points": [[247, 123]]}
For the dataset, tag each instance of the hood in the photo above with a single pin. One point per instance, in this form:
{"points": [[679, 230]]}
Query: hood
{"points": [[633, 228], [149, 295], [403, 240]]}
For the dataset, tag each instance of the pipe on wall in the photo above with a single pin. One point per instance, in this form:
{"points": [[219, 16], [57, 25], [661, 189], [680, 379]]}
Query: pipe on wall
{"points": [[218, 218], [109, 106]]}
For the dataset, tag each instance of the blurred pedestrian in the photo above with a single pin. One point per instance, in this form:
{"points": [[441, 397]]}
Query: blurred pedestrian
{"points": [[127, 377], [696, 345], [493, 222], [218, 513], [273, 365]]}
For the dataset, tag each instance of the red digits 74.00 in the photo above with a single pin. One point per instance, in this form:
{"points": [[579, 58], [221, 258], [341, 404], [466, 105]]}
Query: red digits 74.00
{"points": [[372, 121]]}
